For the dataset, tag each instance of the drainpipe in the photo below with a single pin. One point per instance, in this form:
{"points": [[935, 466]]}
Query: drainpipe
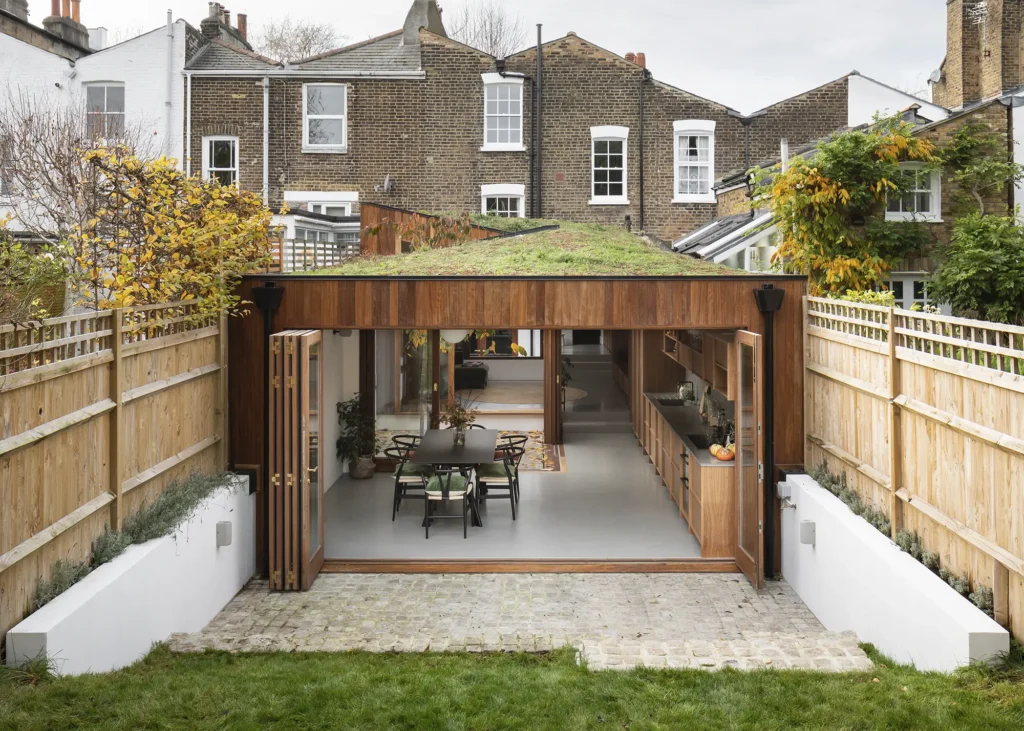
{"points": [[769, 301], [747, 122], [168, 112], [268, 300], [539, 114], [188, 124], [644, 78], [266, 140]]}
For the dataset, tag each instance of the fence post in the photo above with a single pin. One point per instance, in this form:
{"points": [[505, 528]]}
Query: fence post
{"points": [[895, 434], [806, 375], [117, 395], [222, 390]]}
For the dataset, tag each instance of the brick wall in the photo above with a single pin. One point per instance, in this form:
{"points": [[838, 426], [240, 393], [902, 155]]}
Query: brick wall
{"points": [[427, 134], [733, 201]]}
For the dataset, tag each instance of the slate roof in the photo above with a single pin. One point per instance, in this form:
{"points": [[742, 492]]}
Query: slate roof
{"points": [[383, 54], [217, 56]]}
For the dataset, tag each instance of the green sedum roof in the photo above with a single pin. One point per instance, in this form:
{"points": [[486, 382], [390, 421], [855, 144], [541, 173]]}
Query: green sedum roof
{"points": [[573, 250]]}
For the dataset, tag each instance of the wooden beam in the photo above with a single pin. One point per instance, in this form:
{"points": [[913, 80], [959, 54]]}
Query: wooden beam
{"points": [[367, 369], [169, 463], [1007, 443], [434, 343], [51, 344], [80, 416], [53, 370], [854, 341], [116, 461], [514, 566], [843, 456], [166, 341], [155, 387], [1000, 593], [46, 535], [971, 536], [856, 384], [982, 374]]}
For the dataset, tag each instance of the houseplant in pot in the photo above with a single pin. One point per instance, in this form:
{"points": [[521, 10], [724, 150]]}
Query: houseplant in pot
{"points": [[458, 418], [358, 442]]}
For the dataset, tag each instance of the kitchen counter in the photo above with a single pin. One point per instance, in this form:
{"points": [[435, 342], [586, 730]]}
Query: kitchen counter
{"points": [[684, 420]]}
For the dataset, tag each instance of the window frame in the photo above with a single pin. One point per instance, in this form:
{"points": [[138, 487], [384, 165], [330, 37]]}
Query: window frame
{"points": [[314, 204], [207, 161], [610, 133], [935, 189], [503, 191], [105, 85], [330, 148], [494, 80], [688, 128], [908, 281]]}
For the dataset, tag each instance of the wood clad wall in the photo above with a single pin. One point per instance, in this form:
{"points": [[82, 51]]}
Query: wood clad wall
{"points": [[385, 241], [925, 416], [100, 412], [552, 348]]}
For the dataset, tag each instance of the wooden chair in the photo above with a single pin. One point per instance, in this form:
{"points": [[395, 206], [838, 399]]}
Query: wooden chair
{"points": [[408, 477], [501, 478], [446, 484]]}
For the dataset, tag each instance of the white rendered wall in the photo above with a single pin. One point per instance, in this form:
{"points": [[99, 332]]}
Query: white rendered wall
{"points": [[341, 382], [866, 97], [142, 65], [172, 584], [513, 369], [855, 578]]}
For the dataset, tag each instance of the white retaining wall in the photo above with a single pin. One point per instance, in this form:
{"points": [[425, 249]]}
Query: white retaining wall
{"points": [[177, 583], [855, 578]]}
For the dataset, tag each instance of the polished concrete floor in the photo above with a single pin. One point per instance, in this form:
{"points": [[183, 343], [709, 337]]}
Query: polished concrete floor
{"points": [[609, 505]]}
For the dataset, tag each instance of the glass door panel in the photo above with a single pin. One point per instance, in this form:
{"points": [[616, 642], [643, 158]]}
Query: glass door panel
{"points": [[749, 456], [312, 489]]}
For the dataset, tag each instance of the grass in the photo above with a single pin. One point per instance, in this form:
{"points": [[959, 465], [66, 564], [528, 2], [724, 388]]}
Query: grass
{"points": [[575, 250], [450, 691]]}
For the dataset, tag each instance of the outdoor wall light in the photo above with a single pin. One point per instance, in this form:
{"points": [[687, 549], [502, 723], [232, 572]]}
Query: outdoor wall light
{"points": [[808, 532], [454, 336]]}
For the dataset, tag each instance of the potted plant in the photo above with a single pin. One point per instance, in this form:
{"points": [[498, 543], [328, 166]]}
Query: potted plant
{"points": [[458, 418], [358, 442]]}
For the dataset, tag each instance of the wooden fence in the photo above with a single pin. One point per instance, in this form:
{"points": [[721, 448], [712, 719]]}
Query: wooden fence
{"points": [[386, 241], [98, 413], [925, 415]]}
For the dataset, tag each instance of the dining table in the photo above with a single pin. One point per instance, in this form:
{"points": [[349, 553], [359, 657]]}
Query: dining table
{"points": [[438, 447]]}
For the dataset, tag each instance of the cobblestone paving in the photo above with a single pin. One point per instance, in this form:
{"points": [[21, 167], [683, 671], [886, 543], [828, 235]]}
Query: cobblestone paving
{"points": [[614, 620]]}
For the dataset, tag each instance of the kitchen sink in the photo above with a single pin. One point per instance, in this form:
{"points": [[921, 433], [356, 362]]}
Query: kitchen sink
{"points": [[699, 441], [672, 402]]}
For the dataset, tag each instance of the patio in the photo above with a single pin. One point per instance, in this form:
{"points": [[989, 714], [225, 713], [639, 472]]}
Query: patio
{"points": [[620, 621]]}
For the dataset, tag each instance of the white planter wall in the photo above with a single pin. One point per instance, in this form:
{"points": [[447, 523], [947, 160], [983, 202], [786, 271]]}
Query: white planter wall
{"points": [[177, 583], [855, 578]]}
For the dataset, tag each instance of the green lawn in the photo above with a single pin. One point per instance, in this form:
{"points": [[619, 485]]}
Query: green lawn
{"points": [[448, 691], [574, 250]]}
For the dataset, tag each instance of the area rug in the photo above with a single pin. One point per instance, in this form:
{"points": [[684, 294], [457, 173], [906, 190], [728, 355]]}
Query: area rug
{"points": [[539, 457], [517, 393]]}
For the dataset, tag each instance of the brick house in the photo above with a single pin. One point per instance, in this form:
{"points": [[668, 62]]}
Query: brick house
{"points": [[416, 120], [979, 80]]}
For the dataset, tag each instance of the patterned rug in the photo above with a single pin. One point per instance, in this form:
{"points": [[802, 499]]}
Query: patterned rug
{"points": [[539, 457]]}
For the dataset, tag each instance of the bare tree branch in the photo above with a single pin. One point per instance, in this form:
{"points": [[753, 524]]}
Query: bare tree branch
{"points": [[488, 26], [291, 40]]}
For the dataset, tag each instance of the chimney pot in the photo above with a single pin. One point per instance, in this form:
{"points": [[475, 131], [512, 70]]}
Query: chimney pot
{"points": [[641, 60], [55, 8], [65, 9], [243, 25], [76, 14], [226, 18], [631, 57]]}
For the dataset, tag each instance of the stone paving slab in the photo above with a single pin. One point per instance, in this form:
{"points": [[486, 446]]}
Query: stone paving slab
{"points": [[614, 620]]}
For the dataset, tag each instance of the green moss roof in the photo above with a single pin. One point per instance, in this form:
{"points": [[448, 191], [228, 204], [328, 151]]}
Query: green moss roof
{"points": [[574, 250]]}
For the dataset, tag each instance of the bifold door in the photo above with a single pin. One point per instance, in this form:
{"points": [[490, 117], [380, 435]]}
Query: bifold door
{"points": [[296, 515], [750, 459]]}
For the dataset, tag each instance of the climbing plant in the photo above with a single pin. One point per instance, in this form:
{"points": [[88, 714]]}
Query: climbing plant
{"points": [[979, 162], [830, 208]]}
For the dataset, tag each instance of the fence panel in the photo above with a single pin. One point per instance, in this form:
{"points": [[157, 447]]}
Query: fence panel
{"points": [[939, 403], [98, 413]]}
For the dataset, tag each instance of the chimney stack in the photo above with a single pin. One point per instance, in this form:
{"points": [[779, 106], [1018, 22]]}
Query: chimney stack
{"points": [[65, 21], [17, 8], [243, 25], [631, 57], [422, 14], [641, 60]]}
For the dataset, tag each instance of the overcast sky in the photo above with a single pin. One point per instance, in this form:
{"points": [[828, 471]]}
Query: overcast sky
{"points": [[744, 53]]}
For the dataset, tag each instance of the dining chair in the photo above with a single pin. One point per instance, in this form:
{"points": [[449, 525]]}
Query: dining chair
{"points": [[408, 477], [449, 483], [513, 440], [501, 478]]}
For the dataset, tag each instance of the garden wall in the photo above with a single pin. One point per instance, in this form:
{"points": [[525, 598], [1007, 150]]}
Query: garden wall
{"points": [[924, 414], [855, 578], [176, 583], [99, 412]]}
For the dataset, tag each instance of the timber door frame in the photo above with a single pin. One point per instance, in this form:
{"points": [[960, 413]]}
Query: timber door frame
{"points": [[750, 504], [292, 563], [551, 344]]}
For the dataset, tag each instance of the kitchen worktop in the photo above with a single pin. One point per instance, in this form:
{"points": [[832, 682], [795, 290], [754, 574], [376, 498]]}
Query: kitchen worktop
{"points": [[685, 420]]}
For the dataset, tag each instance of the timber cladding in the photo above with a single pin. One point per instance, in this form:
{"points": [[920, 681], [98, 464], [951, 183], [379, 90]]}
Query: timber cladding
{"points": [[100, 412], [379, 227], [923, 414]]}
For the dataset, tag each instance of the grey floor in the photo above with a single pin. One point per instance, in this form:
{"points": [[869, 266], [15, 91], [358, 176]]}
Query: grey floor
{"points": [[608, 505]]}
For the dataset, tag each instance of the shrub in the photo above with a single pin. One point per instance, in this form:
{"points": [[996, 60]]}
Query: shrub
{"points": [[171, 508], [108, 546], [64, 575]]}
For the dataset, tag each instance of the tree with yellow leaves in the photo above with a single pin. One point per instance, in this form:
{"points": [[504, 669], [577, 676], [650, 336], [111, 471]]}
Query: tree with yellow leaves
{"points": [[830, 207], [157, 235]]}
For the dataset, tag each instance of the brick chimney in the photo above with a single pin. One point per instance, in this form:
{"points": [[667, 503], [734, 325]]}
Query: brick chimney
{"points": [[243, 25], [983, 51], [65, 21], [210, 25], [422, 14], [17, 8], [641, 60]]}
